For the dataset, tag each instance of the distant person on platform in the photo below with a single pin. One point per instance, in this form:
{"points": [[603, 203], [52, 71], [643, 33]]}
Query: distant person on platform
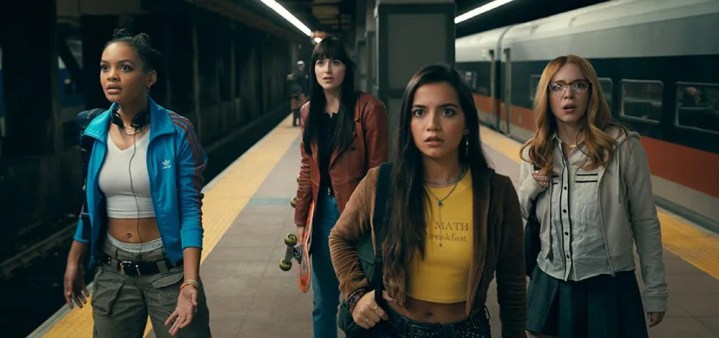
{"points": [[299, 83]]}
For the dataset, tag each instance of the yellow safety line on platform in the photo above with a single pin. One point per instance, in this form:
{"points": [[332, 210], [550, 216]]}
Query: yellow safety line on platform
{"points": [[223, 202], [500, 143], [694, 245]]}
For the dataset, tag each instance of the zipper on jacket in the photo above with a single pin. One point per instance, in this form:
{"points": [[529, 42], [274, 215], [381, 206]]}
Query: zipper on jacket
{"points": [[151, 165], [601, 220]]}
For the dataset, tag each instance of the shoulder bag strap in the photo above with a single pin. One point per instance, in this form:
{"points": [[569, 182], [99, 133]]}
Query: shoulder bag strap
{"points": [[379, 219]]}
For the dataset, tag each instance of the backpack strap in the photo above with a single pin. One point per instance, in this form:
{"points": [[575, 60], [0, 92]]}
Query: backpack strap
{"points": [[379, 220], [83, 119]]}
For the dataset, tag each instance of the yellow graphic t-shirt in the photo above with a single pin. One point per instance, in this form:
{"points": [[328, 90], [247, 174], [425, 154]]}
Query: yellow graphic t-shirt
{"points": [[441, 277]]}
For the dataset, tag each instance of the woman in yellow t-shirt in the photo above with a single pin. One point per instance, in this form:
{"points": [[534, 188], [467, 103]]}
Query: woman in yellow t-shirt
{"points": [[451, 225]]}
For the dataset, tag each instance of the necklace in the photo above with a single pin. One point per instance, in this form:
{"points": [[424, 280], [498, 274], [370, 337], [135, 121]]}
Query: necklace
{"points": [[440, 201], [450, 181], [571, 146], [133, 133]]}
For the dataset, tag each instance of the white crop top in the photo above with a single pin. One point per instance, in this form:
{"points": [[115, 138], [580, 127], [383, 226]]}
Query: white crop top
{"points": [[125, 182]]}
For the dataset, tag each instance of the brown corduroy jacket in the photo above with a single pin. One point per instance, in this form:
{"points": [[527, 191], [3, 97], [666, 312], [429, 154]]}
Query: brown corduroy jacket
{"points": [[498, 246]]}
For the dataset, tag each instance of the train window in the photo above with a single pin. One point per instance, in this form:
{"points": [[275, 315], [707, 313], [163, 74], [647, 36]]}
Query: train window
{"points": [[698, 106], [470, 78], [607, 88], [533, 83], [642, 100]]}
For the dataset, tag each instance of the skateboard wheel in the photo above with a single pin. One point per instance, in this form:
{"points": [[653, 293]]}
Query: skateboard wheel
{"points": [[293, 201], [285, 265], [290, 239]]}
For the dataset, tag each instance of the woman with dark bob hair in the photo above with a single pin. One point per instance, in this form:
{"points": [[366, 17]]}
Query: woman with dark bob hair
{"points": [[452, 225], [575, 177], [344, 134]]}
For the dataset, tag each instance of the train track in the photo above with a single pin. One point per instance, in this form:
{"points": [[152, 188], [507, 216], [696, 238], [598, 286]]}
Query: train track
{"points": [[26, 257]]}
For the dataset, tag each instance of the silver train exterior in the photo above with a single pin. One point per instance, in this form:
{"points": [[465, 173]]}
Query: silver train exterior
{"points": [[658, 66]]}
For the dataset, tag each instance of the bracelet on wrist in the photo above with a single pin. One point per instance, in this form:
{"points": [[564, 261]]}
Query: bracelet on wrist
{"points": [[192, 282], [354, 297]]}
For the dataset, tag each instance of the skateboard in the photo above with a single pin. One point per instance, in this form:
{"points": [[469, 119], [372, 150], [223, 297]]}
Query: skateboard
{"points": [[300, 253]]}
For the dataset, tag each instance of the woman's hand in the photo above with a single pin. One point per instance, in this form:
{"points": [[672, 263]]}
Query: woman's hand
{"points": [[367, 312], [542, 178], [655, 318], [185, 309], [75, 290]]}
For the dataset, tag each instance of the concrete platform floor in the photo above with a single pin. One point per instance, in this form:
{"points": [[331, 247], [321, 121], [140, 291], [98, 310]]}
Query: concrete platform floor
{"points": [[249, 296]]}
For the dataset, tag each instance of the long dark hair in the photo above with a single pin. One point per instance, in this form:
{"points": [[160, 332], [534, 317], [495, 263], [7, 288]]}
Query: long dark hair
{"points": [[406, 226], [331, 48]]}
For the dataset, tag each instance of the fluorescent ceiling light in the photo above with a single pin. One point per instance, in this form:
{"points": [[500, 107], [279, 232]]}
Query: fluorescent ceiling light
{"points": [[481, 9], [288, 16]]}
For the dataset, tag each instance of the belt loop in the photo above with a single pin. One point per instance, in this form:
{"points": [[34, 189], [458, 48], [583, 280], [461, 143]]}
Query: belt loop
{"points": [[162, 266], [448, 330], [405, 325]]}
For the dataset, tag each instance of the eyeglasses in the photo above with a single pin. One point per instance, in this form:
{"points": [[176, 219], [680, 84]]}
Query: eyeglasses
{"points": [[579, 86]]}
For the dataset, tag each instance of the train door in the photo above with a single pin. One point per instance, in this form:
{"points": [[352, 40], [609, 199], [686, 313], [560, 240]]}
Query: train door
{"points": [[494, 112], [507, 97]]}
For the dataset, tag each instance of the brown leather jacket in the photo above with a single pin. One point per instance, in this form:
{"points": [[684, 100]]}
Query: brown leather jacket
{"points": [[347, 168], [498, 247]]}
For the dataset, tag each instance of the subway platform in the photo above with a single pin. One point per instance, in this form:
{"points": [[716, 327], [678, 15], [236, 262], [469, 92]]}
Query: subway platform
{"points": [[247, 214]]}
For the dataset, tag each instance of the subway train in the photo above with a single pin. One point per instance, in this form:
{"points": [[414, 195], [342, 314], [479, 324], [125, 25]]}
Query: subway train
{"points": [[657, 65]]}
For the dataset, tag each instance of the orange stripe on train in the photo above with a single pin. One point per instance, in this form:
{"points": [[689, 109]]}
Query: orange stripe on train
{"points": [[690, 167]]}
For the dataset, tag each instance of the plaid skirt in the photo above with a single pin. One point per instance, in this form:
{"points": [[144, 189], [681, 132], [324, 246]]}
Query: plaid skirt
{"points": [[600, 306]]}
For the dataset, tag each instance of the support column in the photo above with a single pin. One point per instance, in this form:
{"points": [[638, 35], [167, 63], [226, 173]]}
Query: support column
{"points": [[161, 36], [96, 32], [196, 79], [179, 67], [30, 71], [360, 47], [410, 34], [4, 8]]}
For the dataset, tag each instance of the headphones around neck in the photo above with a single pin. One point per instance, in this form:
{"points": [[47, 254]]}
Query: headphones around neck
{"points": [[139, 122]]}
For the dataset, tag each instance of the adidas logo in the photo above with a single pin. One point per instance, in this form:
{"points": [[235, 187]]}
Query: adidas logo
{"points": [[166, 164]]}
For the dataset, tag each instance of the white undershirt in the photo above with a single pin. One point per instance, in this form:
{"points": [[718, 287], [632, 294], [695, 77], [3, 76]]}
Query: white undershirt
{"points": [[125, 182]]}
